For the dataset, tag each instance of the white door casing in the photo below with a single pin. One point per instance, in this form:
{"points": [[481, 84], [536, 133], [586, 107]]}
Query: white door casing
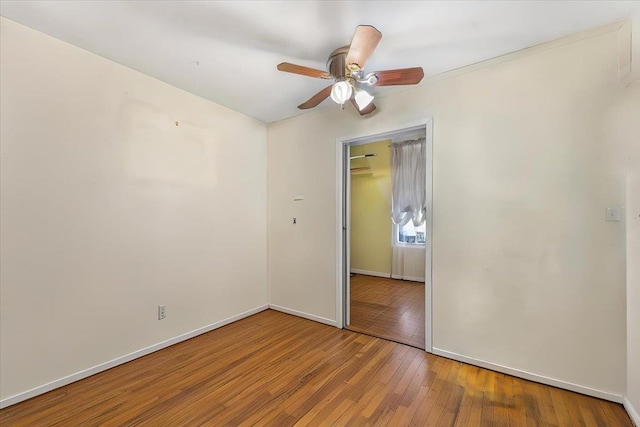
{"points": [[343, 218]]}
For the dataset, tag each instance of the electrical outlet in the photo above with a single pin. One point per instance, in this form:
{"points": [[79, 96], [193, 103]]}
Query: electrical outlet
{"points": [[162, 312]]}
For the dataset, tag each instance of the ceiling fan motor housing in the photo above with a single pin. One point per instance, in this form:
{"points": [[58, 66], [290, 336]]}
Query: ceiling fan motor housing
{"points": [[337, 63]]}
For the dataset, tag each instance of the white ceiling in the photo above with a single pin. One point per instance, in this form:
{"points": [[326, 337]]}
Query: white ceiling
{"points": [[227, 51]]}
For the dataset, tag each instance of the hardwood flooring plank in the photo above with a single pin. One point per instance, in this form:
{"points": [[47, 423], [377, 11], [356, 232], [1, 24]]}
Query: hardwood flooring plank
{"points": [[388, 308], [280, 370]]}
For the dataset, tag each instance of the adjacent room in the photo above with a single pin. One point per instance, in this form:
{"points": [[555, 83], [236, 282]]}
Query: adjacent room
{"points": [[320, 213], [386, 248]]}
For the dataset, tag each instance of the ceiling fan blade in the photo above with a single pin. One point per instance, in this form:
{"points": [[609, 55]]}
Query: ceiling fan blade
{"points": [[364, 42], [316, 99], [403, 76], [366, 110], [305, 71]]}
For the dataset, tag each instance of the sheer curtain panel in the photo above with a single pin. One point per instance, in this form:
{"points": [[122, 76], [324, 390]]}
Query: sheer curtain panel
{"points": [[408, 180], [408, 203]]}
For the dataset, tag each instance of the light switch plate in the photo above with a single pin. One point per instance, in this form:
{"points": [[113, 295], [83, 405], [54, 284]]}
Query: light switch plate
{"points": [[613, 214]]}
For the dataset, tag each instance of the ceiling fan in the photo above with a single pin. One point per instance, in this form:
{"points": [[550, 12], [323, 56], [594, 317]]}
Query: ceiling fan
{"points": [[346, 67]]}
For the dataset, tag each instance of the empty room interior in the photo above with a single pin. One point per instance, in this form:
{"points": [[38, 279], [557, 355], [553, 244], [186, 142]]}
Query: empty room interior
{"points": [[320, 213]]}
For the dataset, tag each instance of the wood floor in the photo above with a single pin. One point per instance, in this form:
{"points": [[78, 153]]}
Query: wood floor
{"points": [[388, 308], [280, 370]]}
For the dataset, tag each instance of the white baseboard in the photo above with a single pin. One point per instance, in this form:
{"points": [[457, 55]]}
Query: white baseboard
{"points": [[123, 359], [387, 275], [410, 278], [531, 377], [304, 315], [633, 414], [370, 273]]}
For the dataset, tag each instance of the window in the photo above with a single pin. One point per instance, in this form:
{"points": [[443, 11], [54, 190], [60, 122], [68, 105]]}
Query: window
{"points": [[408, 234]]}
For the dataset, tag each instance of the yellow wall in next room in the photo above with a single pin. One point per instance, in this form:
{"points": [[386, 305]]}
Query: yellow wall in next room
{"points": [[371, 209]]}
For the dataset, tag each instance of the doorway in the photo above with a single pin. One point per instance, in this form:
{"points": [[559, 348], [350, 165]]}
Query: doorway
{"points": [[374, 294]]}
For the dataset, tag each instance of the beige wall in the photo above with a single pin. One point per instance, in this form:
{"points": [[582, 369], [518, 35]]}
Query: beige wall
{"points": [[633, 292], [622, 123], [526, 271], [631, 159], [108, 209], [624, 130], [371, 209]]}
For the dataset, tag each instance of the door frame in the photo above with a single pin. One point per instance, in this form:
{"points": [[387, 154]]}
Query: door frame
{"points": [[343, 217]]}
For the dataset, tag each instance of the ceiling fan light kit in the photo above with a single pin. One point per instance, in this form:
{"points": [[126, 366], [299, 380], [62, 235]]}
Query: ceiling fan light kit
{"points": [[362, 98], [341, 92], [346, 67]]}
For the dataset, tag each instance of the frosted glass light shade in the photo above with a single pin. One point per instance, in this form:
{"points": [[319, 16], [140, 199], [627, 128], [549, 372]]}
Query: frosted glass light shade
{"points": [[341, 92], [363, 99]]}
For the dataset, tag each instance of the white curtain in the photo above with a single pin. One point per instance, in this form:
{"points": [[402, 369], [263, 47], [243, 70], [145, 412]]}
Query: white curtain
{"points": [[408, 180]]}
